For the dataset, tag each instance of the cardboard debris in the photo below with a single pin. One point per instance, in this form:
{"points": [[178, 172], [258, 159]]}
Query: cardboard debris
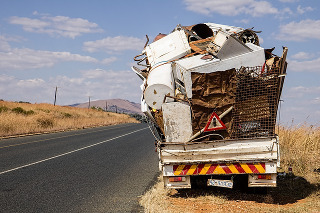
{"points": [[214, 91]]}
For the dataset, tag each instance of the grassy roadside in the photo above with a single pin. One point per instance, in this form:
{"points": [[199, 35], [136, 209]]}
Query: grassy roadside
{"points": [[25, 118], [298, 193]]}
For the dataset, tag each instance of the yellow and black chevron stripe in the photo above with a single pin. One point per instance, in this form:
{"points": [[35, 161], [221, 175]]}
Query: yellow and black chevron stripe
{"points": [[223, 168]]}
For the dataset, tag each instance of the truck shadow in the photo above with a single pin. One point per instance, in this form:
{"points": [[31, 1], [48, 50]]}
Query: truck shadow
{"points": [[290, 189]]}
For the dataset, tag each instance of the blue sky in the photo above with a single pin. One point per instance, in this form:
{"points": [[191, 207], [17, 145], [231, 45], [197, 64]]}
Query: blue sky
{"points": [[86, 47]]}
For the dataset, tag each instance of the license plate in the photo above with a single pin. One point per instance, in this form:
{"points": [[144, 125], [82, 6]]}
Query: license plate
{"points": [[220, 183]]}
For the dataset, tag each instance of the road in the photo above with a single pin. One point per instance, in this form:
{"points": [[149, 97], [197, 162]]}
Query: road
{"points": [[102, 169]]}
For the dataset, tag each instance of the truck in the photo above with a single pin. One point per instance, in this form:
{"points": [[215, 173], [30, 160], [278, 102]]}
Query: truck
{"points": [[211, 95]]}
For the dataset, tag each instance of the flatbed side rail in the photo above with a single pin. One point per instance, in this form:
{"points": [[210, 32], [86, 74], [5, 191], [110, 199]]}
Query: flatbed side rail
{"points": [[254, 150]]}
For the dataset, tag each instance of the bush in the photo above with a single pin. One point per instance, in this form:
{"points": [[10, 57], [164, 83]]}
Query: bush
{"points": [[66, 115], [97, 108], [20, 110], [45, 110], [45, 122], [29, 112], [3, 109]]}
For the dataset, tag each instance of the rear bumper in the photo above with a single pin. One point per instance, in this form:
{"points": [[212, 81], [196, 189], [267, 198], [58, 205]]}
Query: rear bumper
{"points": [[226, 158], [254, 181], [228, 170]]}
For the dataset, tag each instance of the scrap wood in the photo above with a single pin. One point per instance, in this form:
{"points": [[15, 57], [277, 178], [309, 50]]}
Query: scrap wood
{"points": [[200, 46]]}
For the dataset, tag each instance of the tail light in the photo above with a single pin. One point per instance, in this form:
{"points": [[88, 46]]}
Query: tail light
{"points": [[267, 177], [177, 179]]}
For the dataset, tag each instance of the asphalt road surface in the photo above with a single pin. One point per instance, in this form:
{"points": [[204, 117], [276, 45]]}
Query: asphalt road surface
{"points": [[102, 169]]}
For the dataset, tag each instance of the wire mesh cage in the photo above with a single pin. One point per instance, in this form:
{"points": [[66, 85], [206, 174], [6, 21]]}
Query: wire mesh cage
{"points": [[256, 103]]}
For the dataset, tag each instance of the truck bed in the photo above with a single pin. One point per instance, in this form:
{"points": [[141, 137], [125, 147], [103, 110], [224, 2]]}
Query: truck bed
{"points": [[251, 150]]}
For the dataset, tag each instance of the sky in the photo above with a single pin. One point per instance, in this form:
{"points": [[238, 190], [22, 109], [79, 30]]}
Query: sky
{"points": [[86, 48]]}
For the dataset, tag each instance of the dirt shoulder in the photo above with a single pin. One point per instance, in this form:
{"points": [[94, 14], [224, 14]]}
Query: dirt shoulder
{"points": [[293, 194], [299, 147]]}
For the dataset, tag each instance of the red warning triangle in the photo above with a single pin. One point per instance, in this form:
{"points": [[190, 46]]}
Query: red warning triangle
{"points": [[214, 123]]}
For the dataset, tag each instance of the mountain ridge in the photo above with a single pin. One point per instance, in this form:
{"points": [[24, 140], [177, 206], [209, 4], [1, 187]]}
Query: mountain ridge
{"points": [[114, 105]]}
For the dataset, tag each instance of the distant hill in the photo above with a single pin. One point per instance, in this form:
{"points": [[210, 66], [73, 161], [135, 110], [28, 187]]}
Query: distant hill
{"points": [[122, 106]]}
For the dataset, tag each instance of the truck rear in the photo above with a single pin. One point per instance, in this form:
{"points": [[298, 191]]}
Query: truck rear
{"points": [[211, 96]]}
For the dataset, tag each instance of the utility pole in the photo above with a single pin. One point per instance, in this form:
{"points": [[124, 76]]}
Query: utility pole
{"points": [[55, 96], [116, 109], [89, 103], [106, 106]]}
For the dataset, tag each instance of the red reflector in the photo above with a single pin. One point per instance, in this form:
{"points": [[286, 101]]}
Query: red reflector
{"points": [[177, 179], [268, 177]]}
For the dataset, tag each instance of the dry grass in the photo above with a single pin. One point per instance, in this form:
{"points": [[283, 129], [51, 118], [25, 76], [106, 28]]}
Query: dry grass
{"points": [[156, 198], [300, 149], [298, 193], [24, 118]]}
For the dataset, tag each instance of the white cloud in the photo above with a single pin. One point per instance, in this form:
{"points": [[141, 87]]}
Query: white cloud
{"points": [[302, 91], [231, 7], [37, 82], [244, 21], [300, 31], [23, 59], [100, 84], [302, 10], [4, 45], [285, 12], [316, 101], [56, 25], [31, 90], [109, 60], [304, 66], [300, 104], [97, 83], [302, 56], [114, 44], [4, 42], [261, 40], [289, 1], [109, 75]]}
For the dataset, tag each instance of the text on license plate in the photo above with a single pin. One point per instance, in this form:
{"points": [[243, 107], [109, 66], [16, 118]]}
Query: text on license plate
{"points": [[220, 183]]}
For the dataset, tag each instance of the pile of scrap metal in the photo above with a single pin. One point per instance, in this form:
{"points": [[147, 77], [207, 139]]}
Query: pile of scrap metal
{"points": [[210, 82]]}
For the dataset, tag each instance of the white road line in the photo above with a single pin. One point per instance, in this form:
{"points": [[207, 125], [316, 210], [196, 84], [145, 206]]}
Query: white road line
{"points": [[65, 136], [67, 153]]}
